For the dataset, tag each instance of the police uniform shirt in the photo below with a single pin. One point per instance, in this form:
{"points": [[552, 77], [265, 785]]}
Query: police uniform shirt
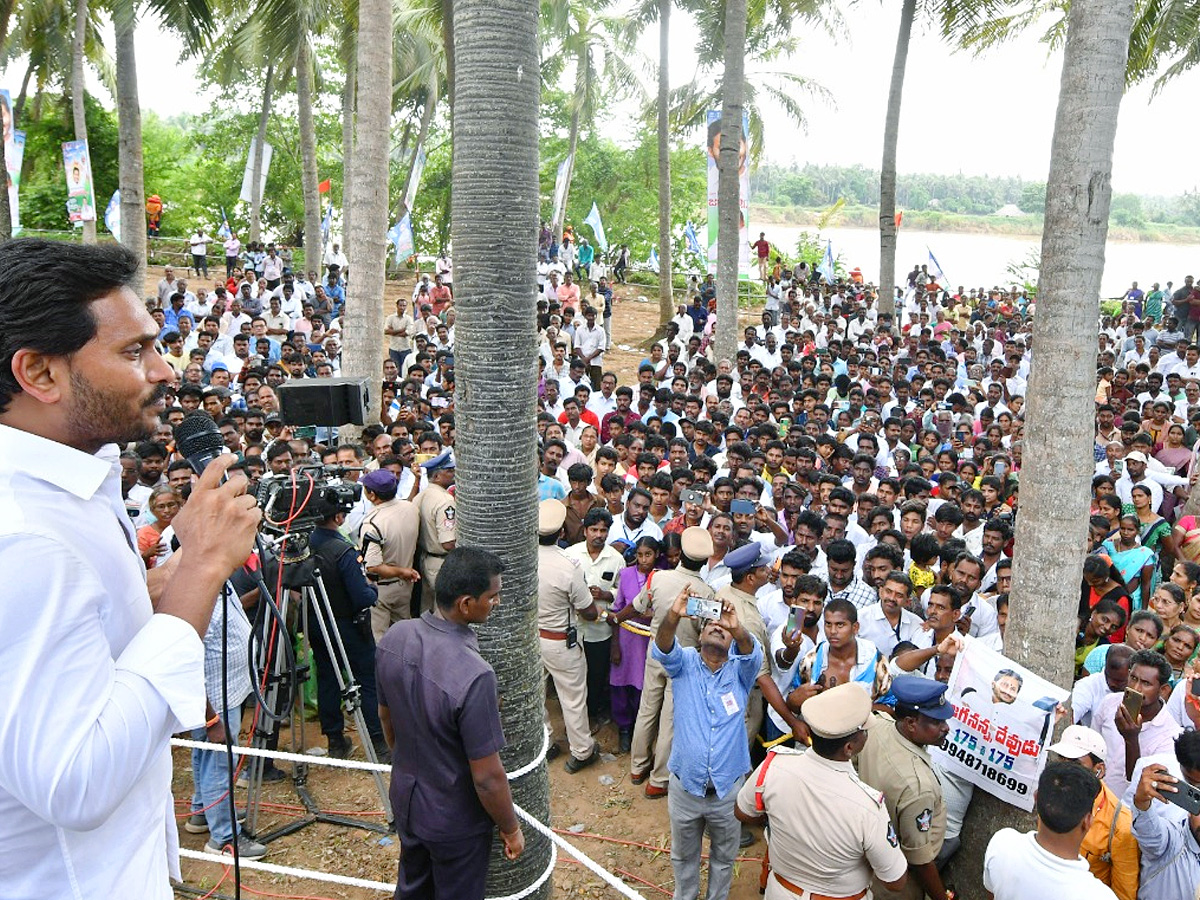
{"points": [[602, 572], [437, 519], [903, 771], [829, 831], [389, 533], [561, 586], [750, 618]]}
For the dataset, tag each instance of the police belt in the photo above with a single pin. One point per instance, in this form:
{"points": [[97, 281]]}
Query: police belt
{"points": [[809, 895], [391, 581], [552, 635]]}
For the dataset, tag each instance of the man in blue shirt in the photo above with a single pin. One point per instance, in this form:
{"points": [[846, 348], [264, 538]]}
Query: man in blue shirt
{"points": [[709, 756]]}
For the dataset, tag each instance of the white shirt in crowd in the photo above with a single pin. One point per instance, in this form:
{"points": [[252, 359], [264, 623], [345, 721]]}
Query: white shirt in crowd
{"points": [[1017, 867]]}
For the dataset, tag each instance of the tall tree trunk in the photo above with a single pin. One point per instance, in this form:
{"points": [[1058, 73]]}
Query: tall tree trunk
{"points": [[448, 47], [887, 172], [728, 193], [666, 299], [256, 170], [19, 103], [308, 157], [129, 125], [494, 215], [1056, 476], [368, 204], [78, 109], [347, 154]]}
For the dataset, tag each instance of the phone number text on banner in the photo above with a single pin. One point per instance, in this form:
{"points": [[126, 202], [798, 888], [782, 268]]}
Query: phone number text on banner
{"points": [[1003, 718]]}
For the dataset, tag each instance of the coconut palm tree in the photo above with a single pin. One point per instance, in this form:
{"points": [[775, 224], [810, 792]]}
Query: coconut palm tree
{"points": [[593, 43], [77, 93], [368, 204], [887, 171], [494, 215], [729, 162]]}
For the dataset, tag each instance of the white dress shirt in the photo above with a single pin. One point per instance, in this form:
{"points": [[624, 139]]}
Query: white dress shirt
{"points": [[100, 684]]}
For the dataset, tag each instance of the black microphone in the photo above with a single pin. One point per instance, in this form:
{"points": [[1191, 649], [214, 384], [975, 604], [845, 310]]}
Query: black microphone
{"points": [[198, 440]]}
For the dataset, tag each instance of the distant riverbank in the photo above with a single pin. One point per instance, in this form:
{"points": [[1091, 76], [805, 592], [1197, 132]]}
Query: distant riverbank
{"points": [[937, 221]]}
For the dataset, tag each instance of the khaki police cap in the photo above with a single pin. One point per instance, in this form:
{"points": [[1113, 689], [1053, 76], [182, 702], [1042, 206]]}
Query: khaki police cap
{"points": [[837, 712], [551, 516], [696, 543]]}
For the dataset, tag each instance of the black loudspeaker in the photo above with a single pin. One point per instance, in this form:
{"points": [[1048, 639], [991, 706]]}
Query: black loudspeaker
{"points": [[324, 401]]}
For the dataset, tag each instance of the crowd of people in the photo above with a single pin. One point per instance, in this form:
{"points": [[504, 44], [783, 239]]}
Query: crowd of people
{"points": [[727, 544]]}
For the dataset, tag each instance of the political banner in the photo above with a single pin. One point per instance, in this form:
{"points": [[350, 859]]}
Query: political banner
{"points": [[248, 175], [561, 181], [400, 236], [410, 196], [81, 197], [14, 152], [1003, 719], [713, 150]]}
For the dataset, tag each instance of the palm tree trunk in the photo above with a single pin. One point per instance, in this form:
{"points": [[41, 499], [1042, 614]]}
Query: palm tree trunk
{"points": [[1056, 476], [728, 193], [666, 300], [347, 155], [494, 215], [308, 156], [256, 170], [77, 93], [129, 125], [887, 172], [19, 103], [368, 205]]}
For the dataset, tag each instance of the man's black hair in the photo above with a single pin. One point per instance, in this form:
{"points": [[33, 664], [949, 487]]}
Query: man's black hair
{"points": [[1065, 795], [466, 571], [46, 292]]}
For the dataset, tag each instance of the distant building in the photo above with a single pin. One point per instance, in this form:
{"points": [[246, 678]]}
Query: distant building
{"points": [[1009, 211]]}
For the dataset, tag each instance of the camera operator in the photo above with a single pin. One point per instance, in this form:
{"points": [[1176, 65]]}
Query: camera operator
{"points": [[351, 598], [389, 541], [103, 661]]}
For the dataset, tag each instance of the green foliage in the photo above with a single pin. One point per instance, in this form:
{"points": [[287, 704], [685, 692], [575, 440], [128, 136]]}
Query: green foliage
{"points": [[43, 182]]}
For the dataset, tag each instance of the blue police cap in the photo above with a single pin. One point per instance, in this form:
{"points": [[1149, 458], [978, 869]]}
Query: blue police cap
{"points": [[748, 556], [444, 460], [925, 695]]}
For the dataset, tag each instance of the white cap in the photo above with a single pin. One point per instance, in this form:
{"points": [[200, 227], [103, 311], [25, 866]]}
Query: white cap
{"points": [[1077, 741]]}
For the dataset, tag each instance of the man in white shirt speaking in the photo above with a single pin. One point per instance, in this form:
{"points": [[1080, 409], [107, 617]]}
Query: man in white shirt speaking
{"points": [[102, 662]]}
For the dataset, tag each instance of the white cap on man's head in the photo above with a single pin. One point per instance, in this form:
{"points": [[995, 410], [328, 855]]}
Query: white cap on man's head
{"points": [[1077, 741]]}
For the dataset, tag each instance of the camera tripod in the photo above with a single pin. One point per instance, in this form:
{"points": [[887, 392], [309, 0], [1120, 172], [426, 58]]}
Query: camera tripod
{"points": [[284, 678]]}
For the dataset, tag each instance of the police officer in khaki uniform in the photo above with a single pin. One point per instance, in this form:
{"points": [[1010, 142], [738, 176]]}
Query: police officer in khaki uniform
{"points": [[748, 564], [563, 599], [654, 729], [830, 832], [388, 538], [436, 506], [895, 761]]}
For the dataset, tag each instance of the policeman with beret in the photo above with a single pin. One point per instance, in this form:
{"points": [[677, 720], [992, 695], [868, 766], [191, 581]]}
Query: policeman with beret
{"points": [[437, 509], [895, 761], [388, 541], [830, 832]]}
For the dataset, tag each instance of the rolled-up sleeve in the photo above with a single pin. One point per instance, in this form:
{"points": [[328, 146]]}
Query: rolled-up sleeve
{"points": [[81, 727]]}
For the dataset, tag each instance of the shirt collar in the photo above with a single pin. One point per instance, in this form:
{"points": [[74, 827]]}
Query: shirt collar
{"points": [[72, 470], [445, 626]]}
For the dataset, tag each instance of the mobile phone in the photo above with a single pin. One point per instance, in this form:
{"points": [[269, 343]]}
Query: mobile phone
{"points": [[690, 495], [1132, 701], [703, 608], [1186, 796], [1195, 688], [790, 625], [970, 610], [1000, 468]]}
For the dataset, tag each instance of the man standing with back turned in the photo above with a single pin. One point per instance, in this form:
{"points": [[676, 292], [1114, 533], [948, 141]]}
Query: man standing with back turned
{"points": [[106, 658], [441, 716]]}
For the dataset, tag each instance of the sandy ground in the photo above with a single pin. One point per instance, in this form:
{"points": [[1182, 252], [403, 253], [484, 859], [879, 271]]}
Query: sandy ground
{"points": [[618, 810]]}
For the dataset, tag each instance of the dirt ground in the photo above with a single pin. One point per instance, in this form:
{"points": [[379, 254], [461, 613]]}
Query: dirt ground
{"points": [[614, 812]]}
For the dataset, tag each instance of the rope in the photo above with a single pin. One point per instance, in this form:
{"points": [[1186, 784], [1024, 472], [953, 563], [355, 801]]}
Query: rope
{"points": [[556, 841], [635, 629]]}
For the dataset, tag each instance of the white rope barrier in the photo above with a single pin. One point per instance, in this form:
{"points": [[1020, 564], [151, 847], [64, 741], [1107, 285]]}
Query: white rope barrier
{"points": [[556, 841]]}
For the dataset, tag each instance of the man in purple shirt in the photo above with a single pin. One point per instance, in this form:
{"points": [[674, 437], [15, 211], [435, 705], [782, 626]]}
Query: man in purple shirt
{"points": [[440, 711]]}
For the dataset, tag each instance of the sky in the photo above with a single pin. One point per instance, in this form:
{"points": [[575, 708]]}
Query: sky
{"points": [[989, 115]]}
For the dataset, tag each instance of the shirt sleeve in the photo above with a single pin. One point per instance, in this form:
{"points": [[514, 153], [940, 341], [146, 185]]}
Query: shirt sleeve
{"points": [[362, 593], [882, 852], [87, 726], [916, 828], [749, 664], [672, 661], [479, 718], [745, 797], [1151, 831], [581, 597]]}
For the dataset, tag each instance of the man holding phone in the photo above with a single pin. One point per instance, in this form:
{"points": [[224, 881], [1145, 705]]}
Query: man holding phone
{"points": [[1167, 830], [1136, 723]]}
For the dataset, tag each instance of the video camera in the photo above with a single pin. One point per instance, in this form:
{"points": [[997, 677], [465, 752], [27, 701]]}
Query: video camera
{"points": [[297, 503]]}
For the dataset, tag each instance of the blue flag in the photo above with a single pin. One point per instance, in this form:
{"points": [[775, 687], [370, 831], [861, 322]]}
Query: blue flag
{"points": [[112, 215], [693, 241], [224, 231], [652, 262], [935, 268], [593, 219], [826, 266], [326, 224]]}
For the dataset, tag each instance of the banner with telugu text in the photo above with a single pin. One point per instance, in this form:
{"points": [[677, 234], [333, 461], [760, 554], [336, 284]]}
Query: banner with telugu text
{"points": [[1003, 719], [712, 150], [81, 197]]}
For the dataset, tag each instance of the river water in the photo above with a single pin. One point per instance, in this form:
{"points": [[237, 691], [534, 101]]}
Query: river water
{"points": [[983, 259]]}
